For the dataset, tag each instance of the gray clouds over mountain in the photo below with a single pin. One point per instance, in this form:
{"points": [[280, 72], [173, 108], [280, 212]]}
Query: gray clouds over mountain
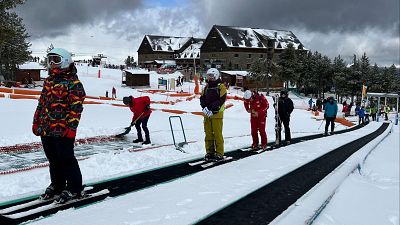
{"points": [[54, 17], [314, 15], [343, 27]]}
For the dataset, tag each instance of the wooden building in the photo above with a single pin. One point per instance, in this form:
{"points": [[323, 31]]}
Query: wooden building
{"points": [[236, 48], [241, 79], [28, 72], [154, 50], [136, 78]]}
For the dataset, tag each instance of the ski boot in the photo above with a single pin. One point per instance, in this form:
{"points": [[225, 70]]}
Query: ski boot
{"points": [[209, 157], [218, 157], [137, 140], [66, 196], [50, 193], [147, 142]]}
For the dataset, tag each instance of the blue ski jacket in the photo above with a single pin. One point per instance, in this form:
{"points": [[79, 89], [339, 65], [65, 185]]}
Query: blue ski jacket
{"points": [[331, 109]]}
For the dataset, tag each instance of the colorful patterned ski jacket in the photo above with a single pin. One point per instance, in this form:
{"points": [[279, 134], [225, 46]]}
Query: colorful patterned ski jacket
{"points": [[60, 105]]}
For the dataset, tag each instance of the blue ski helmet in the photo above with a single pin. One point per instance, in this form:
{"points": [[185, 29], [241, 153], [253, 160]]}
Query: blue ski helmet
{"points": [[59, 57]]}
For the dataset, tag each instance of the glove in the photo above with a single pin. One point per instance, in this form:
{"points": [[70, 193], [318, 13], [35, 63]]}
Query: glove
{"points": [[147, 108], [69, 133], [35, 129], [254, 113], [207, 112]]}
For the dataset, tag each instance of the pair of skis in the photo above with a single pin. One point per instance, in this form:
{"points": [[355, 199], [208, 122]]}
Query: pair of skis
{"points": [[208, 163], [277, 121], [34, 208]]}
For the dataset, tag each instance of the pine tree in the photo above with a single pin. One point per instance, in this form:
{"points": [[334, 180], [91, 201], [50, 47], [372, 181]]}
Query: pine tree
{"points": [[287, 65], [13, 44], [339, 76], [262, 71], [365, 70]]}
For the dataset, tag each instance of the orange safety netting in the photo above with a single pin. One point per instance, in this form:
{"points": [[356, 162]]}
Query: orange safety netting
{"points": [[37, 145], [344, 122]]}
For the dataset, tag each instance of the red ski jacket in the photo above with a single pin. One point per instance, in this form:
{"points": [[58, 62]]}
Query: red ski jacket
{"points": [[257, 103], [140, 105]]}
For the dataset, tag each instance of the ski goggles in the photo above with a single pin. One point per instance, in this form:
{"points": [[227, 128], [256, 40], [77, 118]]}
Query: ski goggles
{"points": [[54, 59]]}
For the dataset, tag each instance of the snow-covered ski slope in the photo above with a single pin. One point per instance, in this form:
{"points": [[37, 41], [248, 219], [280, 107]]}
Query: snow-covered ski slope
{"points": [[184, 200]]}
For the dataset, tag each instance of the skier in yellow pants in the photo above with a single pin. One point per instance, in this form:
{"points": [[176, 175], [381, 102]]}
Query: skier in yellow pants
{"points": [[212, 101]]}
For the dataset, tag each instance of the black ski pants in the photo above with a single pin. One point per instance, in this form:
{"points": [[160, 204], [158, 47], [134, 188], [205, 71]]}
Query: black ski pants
{"points": [[143, 122], [65, 173], [285, 120], [330, 121]]}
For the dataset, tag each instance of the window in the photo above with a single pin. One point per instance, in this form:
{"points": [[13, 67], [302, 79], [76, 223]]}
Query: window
{"points": [[248, 66], [249, 56], [170, 56], [236, 55], [236, 66], [212, 55], [159, 56], [261, 56]]}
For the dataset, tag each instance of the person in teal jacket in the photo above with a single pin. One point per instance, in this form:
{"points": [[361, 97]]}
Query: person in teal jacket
{"points": [[331, 109]]}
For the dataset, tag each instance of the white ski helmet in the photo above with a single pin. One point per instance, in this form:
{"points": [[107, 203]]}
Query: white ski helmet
{"points": [[247, 95], [213, 73], [59, 57]]}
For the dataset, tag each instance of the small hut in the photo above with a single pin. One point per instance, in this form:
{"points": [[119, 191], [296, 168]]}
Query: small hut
{"points": [[135, 78], [29, 71]]}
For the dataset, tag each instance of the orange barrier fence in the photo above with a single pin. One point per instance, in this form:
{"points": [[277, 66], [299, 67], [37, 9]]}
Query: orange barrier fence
{"points": [[6, 90], [92, 102], [14, 96], [26, 92], [180, 95], [173, 111]]}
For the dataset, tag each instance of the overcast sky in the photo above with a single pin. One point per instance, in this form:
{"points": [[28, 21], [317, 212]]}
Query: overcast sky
{"points": [[116, 28]]}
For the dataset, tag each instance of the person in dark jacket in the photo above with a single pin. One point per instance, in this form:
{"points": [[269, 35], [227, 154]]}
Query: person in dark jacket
{"points": [[285, 108], [141, 113], [331, 110], [212, 102], [56, 121]]}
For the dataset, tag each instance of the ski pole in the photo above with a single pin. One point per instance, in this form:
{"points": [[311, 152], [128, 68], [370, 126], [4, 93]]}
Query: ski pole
{"points": [[321, 124]]}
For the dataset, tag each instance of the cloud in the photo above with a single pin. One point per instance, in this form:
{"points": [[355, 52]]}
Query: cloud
{"points": [[330, 27], [55, 17], [314, 15]]}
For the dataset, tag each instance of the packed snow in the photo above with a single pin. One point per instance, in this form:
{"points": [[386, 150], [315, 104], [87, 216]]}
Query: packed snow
{"points": [[189, 199]]}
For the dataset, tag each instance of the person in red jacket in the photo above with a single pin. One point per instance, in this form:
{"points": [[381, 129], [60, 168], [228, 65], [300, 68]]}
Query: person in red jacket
{"points": [[257, 106], [56, 121], [141, 113]]}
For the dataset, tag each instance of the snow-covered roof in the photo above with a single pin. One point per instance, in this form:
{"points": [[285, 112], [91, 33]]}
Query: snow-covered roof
{"points": [[166, 43], [137, 71], [193, 51], [237, 73], [242, 37], [31, 66]]}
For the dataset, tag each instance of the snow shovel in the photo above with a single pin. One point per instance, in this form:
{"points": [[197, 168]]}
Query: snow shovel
{"points": [[128, 129]]}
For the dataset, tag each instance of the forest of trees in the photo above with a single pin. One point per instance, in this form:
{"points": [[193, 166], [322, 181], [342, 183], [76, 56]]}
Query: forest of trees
{"points": [[13, 39], [315, 74]]}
